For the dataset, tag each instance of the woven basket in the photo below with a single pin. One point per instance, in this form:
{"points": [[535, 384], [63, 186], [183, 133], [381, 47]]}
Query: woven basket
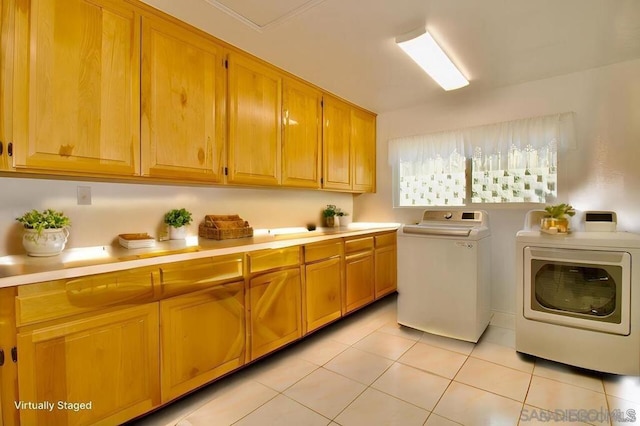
{"points": [[224, 227]]}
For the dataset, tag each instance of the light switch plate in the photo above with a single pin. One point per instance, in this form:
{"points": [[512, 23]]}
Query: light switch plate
{"points": [[84, 195]]}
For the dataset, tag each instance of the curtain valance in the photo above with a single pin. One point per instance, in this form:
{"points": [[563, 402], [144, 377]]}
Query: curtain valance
{"points": [[528, 133]]}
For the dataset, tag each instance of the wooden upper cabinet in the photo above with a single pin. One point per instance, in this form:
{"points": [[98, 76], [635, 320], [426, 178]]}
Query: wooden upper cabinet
{"points": [[363, 150], [349, 147], [255, 103], [76, 92], [302, 135], [183, 103], [336, 139], [7, 9]]}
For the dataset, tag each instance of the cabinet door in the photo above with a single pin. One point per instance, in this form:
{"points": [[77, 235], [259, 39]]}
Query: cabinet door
{"points": [[336, 141], [302, 135], [203, 337], [9, 415], [255, 102], [77, 96], [363, 145], [108, 360], [183, 95], [386, 270], [7, 10], [359, 281], [275, 313], [323, 293]]}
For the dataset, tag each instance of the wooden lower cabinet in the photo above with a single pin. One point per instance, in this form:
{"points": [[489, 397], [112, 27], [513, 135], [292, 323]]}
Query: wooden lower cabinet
{"points": [[323, 293], [206, 318], [108, 360], [359, 273], [359, 281], [386, 264], [275, 310], [202, 337]]}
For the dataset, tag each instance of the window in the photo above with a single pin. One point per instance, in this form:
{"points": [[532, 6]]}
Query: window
{"points": [[510, 162]]}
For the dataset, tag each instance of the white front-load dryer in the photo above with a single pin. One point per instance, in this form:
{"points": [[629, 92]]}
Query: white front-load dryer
{"points": [[578, 299]]}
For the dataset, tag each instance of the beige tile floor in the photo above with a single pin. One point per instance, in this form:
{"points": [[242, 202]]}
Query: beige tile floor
{"points": [[367, 370]]}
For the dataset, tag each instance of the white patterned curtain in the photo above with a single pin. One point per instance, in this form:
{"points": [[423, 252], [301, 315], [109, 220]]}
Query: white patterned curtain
{"points": [[513, 161]]}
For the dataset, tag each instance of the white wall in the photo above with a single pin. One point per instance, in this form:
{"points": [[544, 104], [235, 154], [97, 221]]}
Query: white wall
{"points": [[125, 207], [602, 173]]}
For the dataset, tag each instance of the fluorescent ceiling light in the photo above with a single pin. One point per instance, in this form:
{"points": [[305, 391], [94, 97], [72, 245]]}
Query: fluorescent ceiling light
{"points": [[423, 49]]}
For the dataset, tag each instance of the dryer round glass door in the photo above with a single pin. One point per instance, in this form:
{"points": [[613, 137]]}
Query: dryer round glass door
{"points": [[580, 288]]}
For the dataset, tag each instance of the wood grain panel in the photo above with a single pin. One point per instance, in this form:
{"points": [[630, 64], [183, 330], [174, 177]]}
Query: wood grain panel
{"points": [[336, 140], [355, 245], [77, 90], [386, 271], [359, 285], [7, 16], [275, 310], [322, 250], [110, 360], [302, 135], [183, 103], [264, 260], [255, 102], [385, 240], [203, 337], [61, 298], [363, 150], [182, 277], [323, 293]]}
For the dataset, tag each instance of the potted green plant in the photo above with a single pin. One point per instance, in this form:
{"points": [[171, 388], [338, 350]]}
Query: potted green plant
{"points": [[45, 232], [557, 218], [178, 219], [329, 213]]}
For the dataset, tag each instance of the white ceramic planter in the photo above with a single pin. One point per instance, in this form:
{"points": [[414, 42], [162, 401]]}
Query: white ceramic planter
{"points": [[345, 221], [177, 233], [49, 242]]}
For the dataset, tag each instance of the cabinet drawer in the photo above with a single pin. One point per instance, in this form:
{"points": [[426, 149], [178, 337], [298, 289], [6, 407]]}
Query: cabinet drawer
{"points": [[324, 250], [183, 277], [263, 260], [60, 298], [385, 240], [358, 244]]}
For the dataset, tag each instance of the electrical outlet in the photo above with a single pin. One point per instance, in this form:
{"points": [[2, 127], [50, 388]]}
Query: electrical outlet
{"points": [[84, 195]]}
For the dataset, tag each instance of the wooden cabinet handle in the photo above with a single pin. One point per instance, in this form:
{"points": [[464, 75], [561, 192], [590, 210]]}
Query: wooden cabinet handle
{"points": [[1, 148], [14, 354], [10, 149], [1, 357]]}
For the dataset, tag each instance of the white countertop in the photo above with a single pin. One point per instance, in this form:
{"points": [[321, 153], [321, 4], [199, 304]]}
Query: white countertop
{"points": [[75, 262]]}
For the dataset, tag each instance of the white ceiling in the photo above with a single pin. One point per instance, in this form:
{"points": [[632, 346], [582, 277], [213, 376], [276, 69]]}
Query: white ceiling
{"points": [[347, 46]]}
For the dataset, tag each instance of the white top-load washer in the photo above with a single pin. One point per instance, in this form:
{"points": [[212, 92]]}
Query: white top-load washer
{"points": [[444, 274], [578, 298]]}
